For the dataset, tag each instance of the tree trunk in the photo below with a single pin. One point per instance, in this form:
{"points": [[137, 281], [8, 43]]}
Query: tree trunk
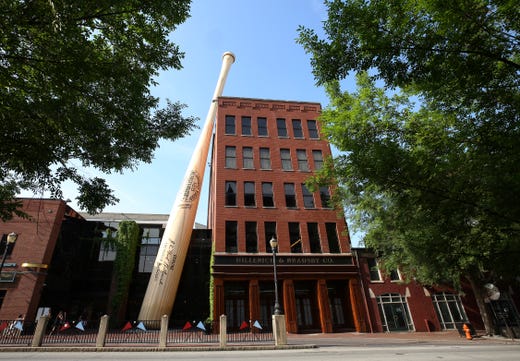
{"points": [[486, 317]]}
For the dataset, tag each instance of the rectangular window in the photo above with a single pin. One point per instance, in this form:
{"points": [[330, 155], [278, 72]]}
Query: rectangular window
{"points": [[297, 128], [290, 195], [262, 127], [332, 237], [285, 155], [249, 194], [150, 242], [267, 194], [230, 124], [251, 238], [231, 236], [147, 255], [318, 159], [314, 237], [246, 126], [395, 275], [265, 158], [325, 197], [375, 275], [270, 232], [313, 130], [231, 193], [295, 237], [301, 155], [231, 157], [282, 128], [308, 197], [247, 158], [107, 248]]}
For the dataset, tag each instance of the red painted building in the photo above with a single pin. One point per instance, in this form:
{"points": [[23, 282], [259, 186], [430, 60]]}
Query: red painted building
{"points": [[263, 152]]}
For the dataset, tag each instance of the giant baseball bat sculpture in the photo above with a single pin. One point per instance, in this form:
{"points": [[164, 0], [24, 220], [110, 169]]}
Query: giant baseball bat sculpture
{"points": [[167, 269]]}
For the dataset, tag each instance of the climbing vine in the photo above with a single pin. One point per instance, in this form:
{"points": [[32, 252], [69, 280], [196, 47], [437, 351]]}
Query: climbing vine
{"points": [[126, 246], [211, 284]]}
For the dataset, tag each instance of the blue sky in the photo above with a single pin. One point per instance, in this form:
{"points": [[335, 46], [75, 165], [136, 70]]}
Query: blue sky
{"points": [[269, 64]]}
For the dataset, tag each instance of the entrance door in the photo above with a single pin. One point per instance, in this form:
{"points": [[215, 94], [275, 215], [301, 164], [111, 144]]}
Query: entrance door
{"points": [[449, 310], [237, 303], [340, 308], [306, 306], [394, 312]]}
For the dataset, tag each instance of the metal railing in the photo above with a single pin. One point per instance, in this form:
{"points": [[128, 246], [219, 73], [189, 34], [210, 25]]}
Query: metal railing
{"points": [[85, 333]]}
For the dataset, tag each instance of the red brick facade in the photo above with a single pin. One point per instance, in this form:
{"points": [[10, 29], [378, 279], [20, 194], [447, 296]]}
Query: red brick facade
{"points": [[311, 277], [418, 306], [32, 251]]}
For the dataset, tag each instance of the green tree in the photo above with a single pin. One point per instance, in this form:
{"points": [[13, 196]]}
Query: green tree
{"points": [[435, 185], [75, 80]]}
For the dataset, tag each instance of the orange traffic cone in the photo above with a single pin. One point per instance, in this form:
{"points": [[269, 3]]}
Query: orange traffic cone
{"points": [[467, 331]]}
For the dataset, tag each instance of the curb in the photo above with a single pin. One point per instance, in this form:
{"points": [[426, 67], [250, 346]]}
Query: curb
{"points": [[154, 349]]}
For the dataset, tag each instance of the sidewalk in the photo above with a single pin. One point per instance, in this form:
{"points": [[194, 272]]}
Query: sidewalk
{"points": [[354, 338], [294, 341]]}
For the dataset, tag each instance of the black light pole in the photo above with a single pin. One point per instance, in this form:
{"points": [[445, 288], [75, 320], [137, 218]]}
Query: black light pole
{"points": [[11, 238], [274, 246]]}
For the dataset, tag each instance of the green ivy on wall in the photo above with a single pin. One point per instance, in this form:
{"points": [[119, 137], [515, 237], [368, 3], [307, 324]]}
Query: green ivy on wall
{"points": [[126, 246], [211, 284]]}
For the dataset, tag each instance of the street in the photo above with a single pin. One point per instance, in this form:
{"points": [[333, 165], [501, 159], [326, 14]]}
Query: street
{"points": [[473, 352]]}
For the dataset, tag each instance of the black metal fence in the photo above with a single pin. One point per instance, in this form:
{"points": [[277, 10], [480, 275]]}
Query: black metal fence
{"points": [[20, 333]]}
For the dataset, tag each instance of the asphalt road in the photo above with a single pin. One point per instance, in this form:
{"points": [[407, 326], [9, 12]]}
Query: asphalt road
{"points": [[469, 352]]}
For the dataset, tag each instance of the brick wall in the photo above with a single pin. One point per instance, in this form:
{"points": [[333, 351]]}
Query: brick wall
{"points": [[219, 213], [35, 244]]}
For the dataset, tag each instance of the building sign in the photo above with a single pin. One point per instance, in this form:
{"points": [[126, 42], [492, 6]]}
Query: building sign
{"points": [[284, 260]]}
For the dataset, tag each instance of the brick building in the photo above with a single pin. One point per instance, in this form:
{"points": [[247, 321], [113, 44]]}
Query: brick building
{"points": [[395, 304], [263, 152], [27, 260]]}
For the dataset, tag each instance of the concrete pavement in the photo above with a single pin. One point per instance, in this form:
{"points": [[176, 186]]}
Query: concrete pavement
{"points": [[294, 341]]}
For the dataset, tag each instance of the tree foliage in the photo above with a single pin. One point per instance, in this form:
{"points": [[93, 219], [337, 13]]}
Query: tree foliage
{"points": [[75, 91], [435, 184]]}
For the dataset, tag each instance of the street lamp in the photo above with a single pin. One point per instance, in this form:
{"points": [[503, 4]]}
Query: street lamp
{"points": [[274, 246], [11, 238]]}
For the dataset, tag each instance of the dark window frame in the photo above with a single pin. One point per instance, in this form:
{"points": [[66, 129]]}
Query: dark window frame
{"points": [[247, 129], [230, 125], [281, 127], [297, 128], [267, 195]]}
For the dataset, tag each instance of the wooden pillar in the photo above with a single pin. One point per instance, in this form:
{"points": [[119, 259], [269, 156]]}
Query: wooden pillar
{"points": [[358, 311], [324, 306], [254, 301], [218, 298], [289, 306]]}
